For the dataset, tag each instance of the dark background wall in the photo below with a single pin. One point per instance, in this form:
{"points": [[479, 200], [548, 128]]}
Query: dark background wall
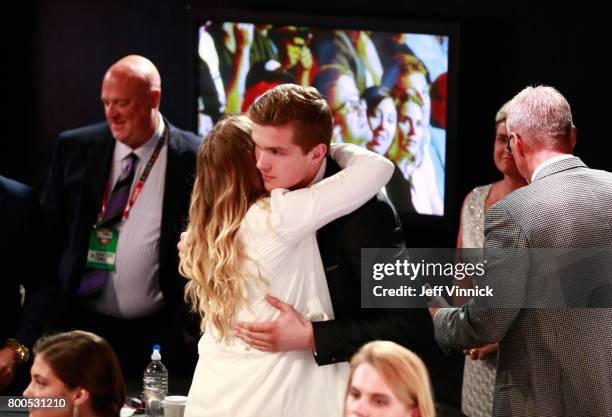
{"points": [[56, 55]]}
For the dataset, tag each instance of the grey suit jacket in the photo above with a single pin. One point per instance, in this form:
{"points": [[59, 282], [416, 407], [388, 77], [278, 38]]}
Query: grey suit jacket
{"points": [[552, 361]]}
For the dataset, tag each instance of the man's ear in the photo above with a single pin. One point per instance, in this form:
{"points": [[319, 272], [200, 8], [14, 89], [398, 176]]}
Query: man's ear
{"points": [[519, 147], [573, 141], [318, 152], [155, 98]]}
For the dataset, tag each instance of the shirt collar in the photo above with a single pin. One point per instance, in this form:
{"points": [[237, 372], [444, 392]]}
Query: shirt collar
{"points": [[548, 162], [320, 173]]}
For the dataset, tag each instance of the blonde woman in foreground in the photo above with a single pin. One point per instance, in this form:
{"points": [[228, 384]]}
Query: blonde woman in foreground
{"points": [[243, 244], [388, 380]]}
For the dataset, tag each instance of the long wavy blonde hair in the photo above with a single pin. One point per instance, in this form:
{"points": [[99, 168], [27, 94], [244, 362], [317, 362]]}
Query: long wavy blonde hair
{"points": [[226, 185]]}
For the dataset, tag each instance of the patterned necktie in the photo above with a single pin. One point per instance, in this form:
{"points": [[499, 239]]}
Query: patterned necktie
{"points": [[94, 280], [121, 192]]}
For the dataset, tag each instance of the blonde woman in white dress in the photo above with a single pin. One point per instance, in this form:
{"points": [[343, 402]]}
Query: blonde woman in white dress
{"points": [[243, 244]]}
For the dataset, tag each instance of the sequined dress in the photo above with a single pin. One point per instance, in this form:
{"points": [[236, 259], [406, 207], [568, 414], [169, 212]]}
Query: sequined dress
{"points": [[478, 375]]}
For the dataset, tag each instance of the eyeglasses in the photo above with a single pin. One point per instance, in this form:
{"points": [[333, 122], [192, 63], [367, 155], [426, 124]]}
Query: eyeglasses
{"points": [[352, 106], [508, 147]]}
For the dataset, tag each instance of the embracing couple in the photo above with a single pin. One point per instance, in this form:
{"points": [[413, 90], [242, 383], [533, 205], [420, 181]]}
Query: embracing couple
{"points": [[272, 253]]}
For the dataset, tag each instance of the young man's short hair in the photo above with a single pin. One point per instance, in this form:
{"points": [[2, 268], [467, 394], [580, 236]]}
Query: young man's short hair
{"points": [[302, 107]]}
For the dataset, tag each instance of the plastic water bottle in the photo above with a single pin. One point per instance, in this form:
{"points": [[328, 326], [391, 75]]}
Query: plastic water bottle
{"points": [[155, 384]]}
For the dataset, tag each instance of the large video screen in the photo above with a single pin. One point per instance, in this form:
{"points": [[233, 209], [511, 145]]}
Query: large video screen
{"points": [[387, 91]]}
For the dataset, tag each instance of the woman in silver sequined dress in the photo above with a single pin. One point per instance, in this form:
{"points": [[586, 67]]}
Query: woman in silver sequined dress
{"points": [[480, 363]]}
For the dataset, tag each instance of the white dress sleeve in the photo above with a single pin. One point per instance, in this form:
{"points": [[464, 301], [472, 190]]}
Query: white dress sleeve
{"points": [[304, 211]]}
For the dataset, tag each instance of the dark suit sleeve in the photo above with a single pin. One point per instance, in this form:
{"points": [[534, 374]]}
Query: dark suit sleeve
{"points": [[180, 175], [26, 260], [375, 226], [39, 288]]}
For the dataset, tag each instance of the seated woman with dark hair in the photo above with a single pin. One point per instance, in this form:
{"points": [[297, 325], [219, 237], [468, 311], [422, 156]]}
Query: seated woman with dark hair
{"points": [[81, 367]]}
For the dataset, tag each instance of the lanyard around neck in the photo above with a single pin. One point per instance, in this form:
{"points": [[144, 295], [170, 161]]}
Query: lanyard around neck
{"points": [[141, 181]]}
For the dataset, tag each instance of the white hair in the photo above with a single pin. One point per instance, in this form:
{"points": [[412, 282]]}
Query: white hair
{"points": [[542, 113]]}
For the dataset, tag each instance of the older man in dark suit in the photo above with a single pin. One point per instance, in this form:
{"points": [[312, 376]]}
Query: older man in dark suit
{"points": [[553, 361], [118, 194]]}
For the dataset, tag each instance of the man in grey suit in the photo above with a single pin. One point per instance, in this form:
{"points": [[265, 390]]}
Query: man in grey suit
{"points": [[553, 361]]}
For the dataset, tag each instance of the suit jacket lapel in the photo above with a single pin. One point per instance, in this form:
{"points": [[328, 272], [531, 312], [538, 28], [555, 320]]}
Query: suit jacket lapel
{"points": [[326, 236], [172, 188], [331, 167], [99, 159], [97, 155]]}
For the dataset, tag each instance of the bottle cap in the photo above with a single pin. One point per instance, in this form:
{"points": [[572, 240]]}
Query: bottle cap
{"points": [[156, 356]]}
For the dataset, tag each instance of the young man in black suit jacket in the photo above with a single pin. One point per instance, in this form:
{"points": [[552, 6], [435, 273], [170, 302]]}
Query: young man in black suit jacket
{"points": [[140, 302]]}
